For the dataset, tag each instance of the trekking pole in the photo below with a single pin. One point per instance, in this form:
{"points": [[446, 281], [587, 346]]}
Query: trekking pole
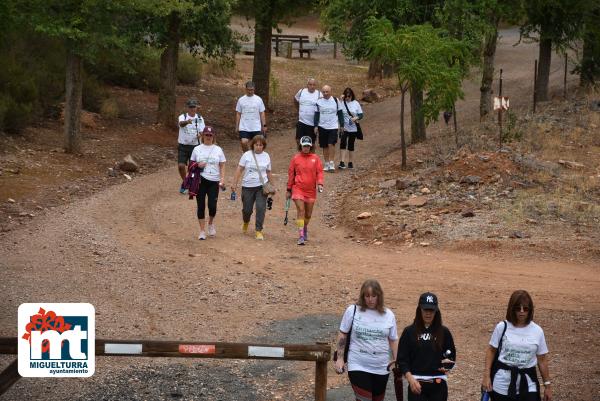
{"points": [[287, 208]]}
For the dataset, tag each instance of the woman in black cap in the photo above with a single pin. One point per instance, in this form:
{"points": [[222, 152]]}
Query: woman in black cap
{"points": [[426, 352]]}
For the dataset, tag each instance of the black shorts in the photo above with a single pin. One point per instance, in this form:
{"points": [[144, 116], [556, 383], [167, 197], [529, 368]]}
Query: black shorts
{"points": [[184, 152], [249, 134], [327, 137], [305, 130], [368, 385], [348, 138]]}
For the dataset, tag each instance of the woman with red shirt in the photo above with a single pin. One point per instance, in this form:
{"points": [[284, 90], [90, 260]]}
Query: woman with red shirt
{"points": [[305, 175]]}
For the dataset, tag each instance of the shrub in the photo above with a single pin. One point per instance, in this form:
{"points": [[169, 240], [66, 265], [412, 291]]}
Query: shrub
{"points": [[110, 108], [189, 69], [94, 93], [221, 67]]}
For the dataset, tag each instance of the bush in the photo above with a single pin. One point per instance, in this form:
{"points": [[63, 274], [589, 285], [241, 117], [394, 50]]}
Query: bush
{"points": [[110, 108], [221, 67], [94, 94], [189, 69]]}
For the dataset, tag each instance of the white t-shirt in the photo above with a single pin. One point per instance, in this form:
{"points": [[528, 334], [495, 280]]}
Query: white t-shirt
{"points": [[328, 112], [308, 102], [369, 349], [250, 178], [520, 347], [355, 109], [250, 108], [188, 135], [212, 155]]}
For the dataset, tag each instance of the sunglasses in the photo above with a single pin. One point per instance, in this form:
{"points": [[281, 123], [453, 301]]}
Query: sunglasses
{"points": [[208, 134], [521, 308]]}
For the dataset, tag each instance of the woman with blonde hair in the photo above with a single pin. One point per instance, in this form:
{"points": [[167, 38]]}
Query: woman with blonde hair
{"points": [[255, 166], [368, 337]]}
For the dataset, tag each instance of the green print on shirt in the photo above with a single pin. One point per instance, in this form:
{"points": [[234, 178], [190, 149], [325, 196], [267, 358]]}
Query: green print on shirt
{"points": [[367, 334], [517, 356]]}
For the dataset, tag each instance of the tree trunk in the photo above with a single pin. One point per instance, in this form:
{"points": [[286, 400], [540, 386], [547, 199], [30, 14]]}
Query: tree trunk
{"points": [[261, 72], [402, 135], [487, 76], [417, 118], [543, 78], [375, 70], [590, 60], [167, 96], [73, 89]]}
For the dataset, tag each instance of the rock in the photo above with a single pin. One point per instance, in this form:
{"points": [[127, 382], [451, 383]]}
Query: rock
{"points": [[370, 96], [417, 201], [387, 184], [364, 215], [484, 158], [112, 172], [10, 200], [531, 221], [570, 164], [128, 164], [127, 176], [378, 243], [403, 183], [425, 190], [470, 179], [518, 234], [468, 213], [424, 243]]}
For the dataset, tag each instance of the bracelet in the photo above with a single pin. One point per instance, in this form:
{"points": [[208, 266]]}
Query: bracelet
{"points": [[547, 383]]}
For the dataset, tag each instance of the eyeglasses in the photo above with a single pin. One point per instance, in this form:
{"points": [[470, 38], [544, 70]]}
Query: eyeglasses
{"points": [[521, 308]]}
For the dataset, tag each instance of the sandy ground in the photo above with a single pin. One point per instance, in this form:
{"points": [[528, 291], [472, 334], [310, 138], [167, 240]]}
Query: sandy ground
{"points": [[131, 251]]}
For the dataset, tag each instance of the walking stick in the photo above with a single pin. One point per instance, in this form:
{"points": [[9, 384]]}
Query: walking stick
{"points": [[287, 208]]}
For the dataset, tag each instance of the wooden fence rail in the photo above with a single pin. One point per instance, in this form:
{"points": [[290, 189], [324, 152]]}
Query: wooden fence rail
{"points": [[320, 353]]}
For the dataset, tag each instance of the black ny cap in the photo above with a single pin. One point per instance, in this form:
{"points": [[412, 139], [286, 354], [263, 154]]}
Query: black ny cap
{"points": [[428, 300]]}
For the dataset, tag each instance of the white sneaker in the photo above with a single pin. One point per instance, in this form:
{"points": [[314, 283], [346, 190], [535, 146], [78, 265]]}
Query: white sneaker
{"points": [[202, 235], [331, 165], [326, 166], [212, 231]]}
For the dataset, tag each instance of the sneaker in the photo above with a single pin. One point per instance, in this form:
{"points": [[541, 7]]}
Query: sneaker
{"points": [[202, 235], [350, 165], [342, 165], [326, 166], [212, 231], [182, 190], [332, 166], [301, 241], [245, 227], [260, 236], [305, 234]]}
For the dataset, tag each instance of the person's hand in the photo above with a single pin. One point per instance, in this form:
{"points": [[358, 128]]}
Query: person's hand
{"points": [[486, 384], [354, 119], [390, 365], [288, 194], [201, 164], [222, 185], [189, 121], [548, 393], [414, 384], [316, 130], [320, 187], [446, 370], [340, 366], [264, 129]]}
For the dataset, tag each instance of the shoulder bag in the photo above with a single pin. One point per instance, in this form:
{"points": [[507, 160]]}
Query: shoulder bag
{"points": [[359, 133], [267, 187]]}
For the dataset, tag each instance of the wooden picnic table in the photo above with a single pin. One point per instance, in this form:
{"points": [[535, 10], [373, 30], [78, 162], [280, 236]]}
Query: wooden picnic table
{"points": [[300, 39]]}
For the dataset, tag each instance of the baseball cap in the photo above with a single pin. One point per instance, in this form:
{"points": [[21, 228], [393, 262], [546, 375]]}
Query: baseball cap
{"points": [[209, 130], [192, 102], [249, 85], [306, 141], [428, 300]]}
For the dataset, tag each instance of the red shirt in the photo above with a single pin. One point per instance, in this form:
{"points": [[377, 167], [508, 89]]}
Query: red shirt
{"points": [[305, 173]]}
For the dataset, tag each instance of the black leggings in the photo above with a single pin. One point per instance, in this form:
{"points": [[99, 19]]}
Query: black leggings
{"points": [[430, 392], [368, 386], [210, 189], [348, 137], [499, 397]]}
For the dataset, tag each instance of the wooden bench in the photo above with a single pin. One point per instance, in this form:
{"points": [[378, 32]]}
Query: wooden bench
{"points": [[301, 40]]}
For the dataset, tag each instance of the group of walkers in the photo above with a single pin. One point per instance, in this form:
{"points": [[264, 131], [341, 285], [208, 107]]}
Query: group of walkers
{"points": [[322, 120], [368, 346]]}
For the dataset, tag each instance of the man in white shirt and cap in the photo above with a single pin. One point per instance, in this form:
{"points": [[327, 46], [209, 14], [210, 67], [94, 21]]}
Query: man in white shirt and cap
{"points": [[250, 119], [191, 125]]}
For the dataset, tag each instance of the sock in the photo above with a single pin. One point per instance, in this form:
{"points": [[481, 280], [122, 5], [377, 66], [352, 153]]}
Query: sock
{"points": [[306, 220], [300, 225]]}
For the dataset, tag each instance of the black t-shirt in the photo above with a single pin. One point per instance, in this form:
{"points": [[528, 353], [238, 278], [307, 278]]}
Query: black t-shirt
{"points": [[421, 356]]}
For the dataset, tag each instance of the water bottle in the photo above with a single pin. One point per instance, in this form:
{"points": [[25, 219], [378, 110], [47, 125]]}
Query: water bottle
{"points": [[485, 396], [233, 195]]}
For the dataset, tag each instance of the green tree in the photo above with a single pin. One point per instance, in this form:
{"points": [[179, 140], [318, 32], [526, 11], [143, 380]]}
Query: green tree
{"points": [[425, 58], [554, 23], [85, 27], [589, 67], [201, 25]]}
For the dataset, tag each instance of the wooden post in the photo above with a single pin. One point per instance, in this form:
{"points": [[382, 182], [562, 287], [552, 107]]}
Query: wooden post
{"points": [[535, 85], [455, 124], [10, 376], [565, 77], [334, 50], [500, 111], [321, 381]]}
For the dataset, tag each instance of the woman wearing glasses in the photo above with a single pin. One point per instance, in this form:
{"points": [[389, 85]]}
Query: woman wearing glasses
{"points": [[516, 347]]}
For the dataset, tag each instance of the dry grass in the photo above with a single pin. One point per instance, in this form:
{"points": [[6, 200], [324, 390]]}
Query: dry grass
{"points": [[110, 108]]}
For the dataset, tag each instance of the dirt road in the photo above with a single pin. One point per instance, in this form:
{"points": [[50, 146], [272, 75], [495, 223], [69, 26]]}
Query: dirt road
{"points": [[132, 252]]}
